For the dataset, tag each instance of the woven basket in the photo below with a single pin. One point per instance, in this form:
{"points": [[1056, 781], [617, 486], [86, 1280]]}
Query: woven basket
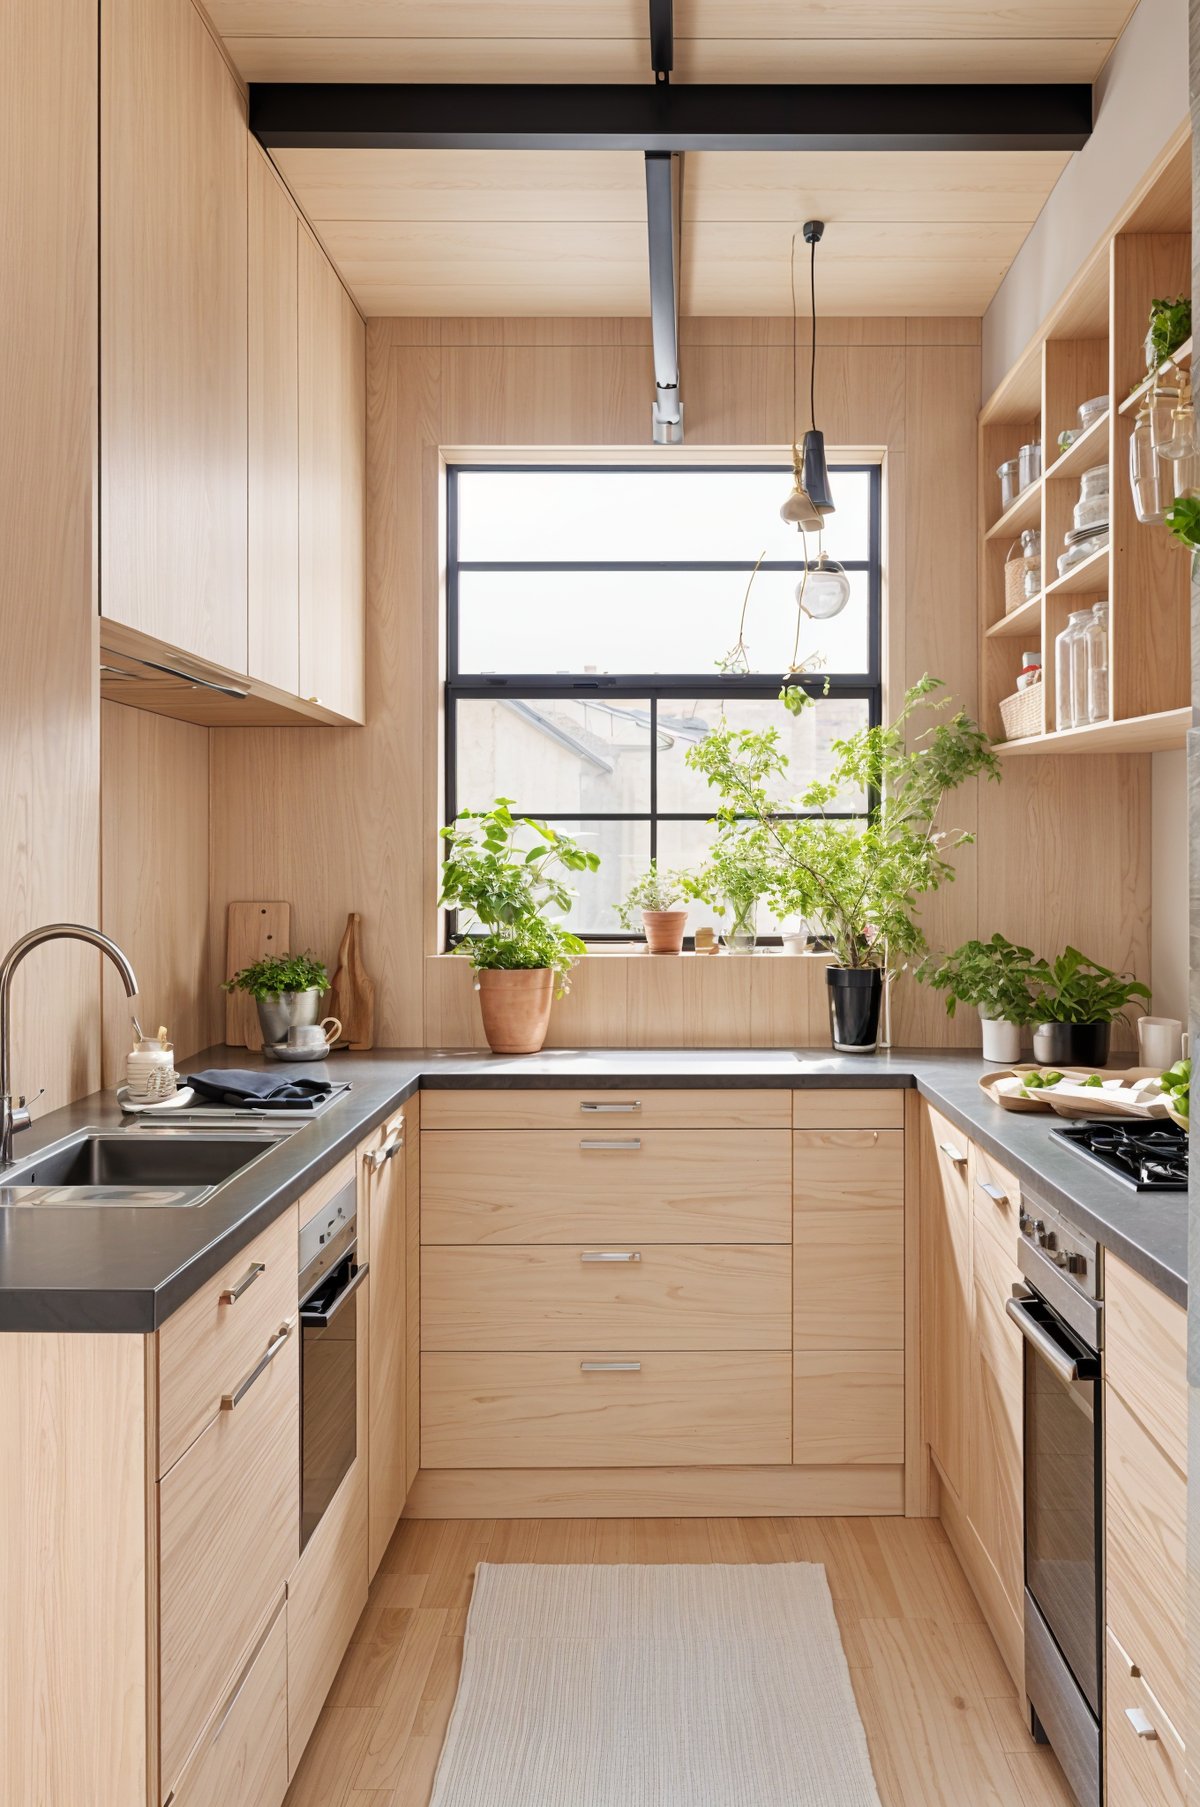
{"points": [[1021, 713], [1014, 581]]}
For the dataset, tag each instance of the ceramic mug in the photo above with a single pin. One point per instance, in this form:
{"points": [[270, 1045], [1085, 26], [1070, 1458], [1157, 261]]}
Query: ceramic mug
{"points": [[1159, 1040], [314, 1035]]}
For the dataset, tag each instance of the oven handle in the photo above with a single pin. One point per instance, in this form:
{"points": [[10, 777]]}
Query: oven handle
{"points": [[1053, 1354], [320, 1320]]}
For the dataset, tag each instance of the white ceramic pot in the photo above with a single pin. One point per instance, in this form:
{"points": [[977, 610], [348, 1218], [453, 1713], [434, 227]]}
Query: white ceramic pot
{"points": [[1001, 1041]]}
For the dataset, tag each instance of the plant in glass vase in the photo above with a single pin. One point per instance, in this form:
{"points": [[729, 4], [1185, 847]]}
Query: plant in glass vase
{"points": [[733, 881], [521, 956]]}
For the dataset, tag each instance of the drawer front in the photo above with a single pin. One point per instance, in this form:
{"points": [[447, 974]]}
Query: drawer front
{"points": [[848, 1407], [652, 1296], [846, 1107], [1145, 1356], [848, 1169], [243, 1755], [229, 1531], [656, 1410], [684, 1108], [1146, 1555], [1144, 1757], [996, 1201], [210, 1342], [606, 1185]]}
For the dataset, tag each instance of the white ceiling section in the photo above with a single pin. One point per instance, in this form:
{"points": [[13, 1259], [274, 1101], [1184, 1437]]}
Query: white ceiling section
{"points": [[552, 233]]}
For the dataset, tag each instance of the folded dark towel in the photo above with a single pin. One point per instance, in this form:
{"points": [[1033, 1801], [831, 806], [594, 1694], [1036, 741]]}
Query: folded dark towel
{"points": [[239, 1085]]}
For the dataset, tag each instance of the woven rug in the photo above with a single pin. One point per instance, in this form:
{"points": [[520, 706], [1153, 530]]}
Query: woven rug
{"points": [[671, 1686]]}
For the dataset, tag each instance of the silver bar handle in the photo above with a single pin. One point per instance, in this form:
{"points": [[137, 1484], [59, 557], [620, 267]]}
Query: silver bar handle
{"points": [[1056, 1358], [379, 1157], [612, 1109], [629, 1142], [610, 1255], [1141, 1722], [229, 1400], [997, 1194], [240, 1687], [320, 1319], [232, 1294], [954, 1155], [610, 1367]]}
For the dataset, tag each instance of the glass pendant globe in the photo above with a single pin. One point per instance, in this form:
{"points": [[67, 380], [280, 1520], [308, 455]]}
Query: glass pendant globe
{"points": [[826, 592]]}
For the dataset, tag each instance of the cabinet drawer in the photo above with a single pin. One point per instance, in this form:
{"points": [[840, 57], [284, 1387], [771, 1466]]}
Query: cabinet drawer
{"points": [[656, 1410], [1143, 1753], [229, 1530], [848, 1407], [1145, 1356], [846, 1107], [243, 1755], [651, 1296], [1146, 1554], [206, 1347], [610, 1184], [996, 1201], [651, 1108]]}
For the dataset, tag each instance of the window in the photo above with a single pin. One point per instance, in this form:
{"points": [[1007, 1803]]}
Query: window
{"points": [[588, 608]]}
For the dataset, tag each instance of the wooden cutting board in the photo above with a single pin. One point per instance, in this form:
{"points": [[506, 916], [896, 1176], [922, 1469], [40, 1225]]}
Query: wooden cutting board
{"points": [[352, 996], [251, 930]]}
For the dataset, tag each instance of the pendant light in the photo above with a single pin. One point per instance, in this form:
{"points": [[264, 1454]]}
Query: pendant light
{"points": [[825, 590], [810, 499]]}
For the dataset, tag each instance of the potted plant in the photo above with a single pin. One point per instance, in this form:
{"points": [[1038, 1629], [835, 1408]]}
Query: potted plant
{"points": [[655, 898], [287, 990], [734, 880], [1076, 1000], [996, 978], [858, 880], [522, 959]]}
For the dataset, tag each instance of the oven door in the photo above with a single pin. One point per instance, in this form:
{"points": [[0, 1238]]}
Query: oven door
{"points": [[329, 1319], [1063, 1473]]}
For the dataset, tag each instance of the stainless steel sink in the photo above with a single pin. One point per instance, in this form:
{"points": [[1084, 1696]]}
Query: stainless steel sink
{"points": [[121, 1167]]}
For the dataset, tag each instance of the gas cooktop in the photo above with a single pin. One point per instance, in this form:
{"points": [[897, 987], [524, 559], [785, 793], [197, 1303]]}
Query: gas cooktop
{"points": [[1150, 1157]]}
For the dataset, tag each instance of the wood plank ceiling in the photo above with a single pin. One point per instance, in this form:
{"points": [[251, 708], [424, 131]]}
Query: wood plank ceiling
{"points": [[535, 233]]}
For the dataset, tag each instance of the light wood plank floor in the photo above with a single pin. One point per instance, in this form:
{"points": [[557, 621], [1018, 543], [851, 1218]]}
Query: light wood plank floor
{"points": [[943, 1721]]}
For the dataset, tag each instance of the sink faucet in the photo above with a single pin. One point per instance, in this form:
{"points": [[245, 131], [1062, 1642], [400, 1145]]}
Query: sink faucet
{"points": [[15, 1115]]}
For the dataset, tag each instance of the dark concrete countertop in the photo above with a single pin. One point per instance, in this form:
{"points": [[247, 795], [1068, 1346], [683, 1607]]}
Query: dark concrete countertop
{"points": [[118, 1268]]}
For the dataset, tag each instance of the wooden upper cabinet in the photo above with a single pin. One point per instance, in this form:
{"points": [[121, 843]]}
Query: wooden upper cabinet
{"points": [[332, 366], [274, 431], [173, 292]]}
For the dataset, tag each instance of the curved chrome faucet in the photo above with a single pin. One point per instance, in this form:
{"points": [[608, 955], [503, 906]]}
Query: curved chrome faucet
{"points": [[14, 1116]]}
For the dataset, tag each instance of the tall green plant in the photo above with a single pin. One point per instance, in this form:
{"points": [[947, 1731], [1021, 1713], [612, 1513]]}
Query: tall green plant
{"points": [[506, 889]]}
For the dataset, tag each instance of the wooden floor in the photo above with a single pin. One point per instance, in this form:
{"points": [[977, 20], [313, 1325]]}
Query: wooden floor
{"points": [[942, 1718]]}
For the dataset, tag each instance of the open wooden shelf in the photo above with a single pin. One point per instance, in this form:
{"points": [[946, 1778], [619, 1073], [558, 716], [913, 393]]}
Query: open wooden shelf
{"points": [[1179, 360], [1020, 623], [1139, 734], [1089, 449], [1090, 575], [1026, 511]]}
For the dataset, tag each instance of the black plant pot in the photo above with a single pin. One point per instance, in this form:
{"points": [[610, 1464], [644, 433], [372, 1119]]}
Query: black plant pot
{"points": [[1071, 1044], [855, 994]]}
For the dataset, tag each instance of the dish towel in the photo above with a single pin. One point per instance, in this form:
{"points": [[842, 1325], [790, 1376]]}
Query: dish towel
{"points": [[240, 1085]]}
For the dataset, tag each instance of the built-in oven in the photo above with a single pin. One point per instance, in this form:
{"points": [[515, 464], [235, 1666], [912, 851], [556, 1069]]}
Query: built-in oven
{"points": [[330, 1278], [1059, 1313]]}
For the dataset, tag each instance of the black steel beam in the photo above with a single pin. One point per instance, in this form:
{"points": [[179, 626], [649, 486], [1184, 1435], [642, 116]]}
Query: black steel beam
{"points": [[667, 117], [662, 38], [664, 211]]}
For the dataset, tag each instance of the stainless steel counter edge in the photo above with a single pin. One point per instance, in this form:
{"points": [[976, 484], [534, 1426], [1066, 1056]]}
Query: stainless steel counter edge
{"points": [[126, 1270]]}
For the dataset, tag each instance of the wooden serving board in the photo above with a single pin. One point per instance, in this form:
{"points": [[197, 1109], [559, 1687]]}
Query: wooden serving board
{"points": [[252, 930], [352, 995], [1098, 1104]]}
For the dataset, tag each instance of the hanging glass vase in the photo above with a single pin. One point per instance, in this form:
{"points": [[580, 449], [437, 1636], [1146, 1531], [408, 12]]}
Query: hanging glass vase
{"points": [[1147, 475]]}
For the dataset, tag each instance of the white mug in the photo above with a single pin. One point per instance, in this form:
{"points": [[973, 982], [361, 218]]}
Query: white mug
{"points": [[314, 1035], [1160, 1039]]}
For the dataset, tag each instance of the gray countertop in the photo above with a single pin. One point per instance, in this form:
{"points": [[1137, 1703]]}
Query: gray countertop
{"points": [[118, 1268]]}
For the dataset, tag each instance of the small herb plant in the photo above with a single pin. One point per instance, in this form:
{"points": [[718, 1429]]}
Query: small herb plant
{"points": [[1074, 989], [279, 973], [737, 875], [1183, 520], [1170, 325], [655, 890], [995, 977], [506, 889]]}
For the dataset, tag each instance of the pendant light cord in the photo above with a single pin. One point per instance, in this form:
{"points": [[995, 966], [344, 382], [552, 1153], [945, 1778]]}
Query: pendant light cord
{"points": [[795, 359], [812, 371], [812, 368]]}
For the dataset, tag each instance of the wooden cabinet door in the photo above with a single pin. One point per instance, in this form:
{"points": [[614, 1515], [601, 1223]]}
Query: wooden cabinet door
{"points": [[947, 1310], [273, 571], [995, 1444], [383, 1174], [172, 332], [332, 367]]}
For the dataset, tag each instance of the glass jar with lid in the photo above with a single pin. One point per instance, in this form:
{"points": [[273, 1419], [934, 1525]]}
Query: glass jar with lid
{"points": [[1147, 473], [1064, 673], [1091, 510], [1094, 648]]}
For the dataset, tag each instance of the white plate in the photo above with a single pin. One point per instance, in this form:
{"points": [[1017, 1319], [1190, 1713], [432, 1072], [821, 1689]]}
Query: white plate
{"points": [[281, 1051]]}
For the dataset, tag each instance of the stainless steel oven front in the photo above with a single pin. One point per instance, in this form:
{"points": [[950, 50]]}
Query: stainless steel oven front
{"points": [[1060, 1315], [330, 1276]]}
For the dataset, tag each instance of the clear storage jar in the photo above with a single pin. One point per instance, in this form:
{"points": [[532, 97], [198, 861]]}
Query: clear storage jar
{"points": [[1091, 510], [1147, 473], [1064, 673], [1095, 651], [1091, 412]]}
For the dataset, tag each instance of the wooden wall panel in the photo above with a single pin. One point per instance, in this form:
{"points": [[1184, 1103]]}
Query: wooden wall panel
{"points": [[49, 735], [154, 805], [337, 820]]}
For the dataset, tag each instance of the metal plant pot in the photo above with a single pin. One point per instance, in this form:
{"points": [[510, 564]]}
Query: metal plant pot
{"points": [[1072, 1044], [284, 1010]]}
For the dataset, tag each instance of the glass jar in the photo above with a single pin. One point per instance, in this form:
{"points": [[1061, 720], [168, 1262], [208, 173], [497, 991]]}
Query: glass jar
{"points": [[1092, 411], [1064, 679], [1147, 472], [1161, 404], [1095, 649], [1091, 510]]}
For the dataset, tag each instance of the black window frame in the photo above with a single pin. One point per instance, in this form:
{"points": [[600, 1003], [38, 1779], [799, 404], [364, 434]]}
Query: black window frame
{"points": [[642, 686]]}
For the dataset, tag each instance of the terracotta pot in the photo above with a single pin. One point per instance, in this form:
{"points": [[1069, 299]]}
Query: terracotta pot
{"points": [[664, 930], [516, 1008]]}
